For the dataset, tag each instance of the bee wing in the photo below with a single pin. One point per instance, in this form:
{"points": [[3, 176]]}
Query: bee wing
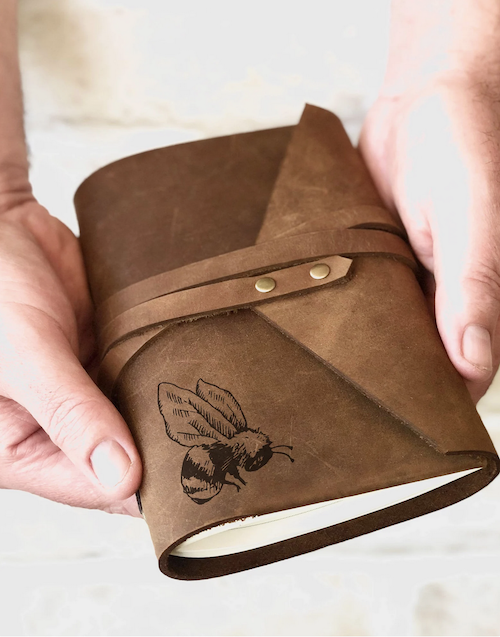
{"points": [[189, 420], [224, 402]]}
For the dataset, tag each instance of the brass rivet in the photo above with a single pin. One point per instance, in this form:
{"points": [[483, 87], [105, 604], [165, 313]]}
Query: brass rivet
{"points": [[319, 271], [266, 284]]}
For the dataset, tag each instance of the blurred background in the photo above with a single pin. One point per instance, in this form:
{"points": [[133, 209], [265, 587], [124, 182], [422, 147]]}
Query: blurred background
{"points": [[108, 78]]}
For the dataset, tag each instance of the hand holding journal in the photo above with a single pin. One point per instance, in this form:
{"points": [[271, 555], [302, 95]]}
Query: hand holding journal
{"points": [[263, 333]]}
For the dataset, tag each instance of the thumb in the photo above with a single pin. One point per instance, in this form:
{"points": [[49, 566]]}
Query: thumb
{"points": [[40, 371], [467, 271]]}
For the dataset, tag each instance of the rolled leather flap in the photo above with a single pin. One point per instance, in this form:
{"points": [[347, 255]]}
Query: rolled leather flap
{"points": [[347, 378]]}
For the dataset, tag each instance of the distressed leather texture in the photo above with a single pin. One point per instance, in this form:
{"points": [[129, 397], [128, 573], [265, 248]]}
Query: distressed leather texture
{"points": [[346, 374]]}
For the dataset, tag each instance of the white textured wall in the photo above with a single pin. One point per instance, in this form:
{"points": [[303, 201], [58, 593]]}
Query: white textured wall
{"points": [[106, 78]]}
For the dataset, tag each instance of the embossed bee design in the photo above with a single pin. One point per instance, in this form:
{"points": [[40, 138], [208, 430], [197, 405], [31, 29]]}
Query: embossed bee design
{"points": [[212, 423]]}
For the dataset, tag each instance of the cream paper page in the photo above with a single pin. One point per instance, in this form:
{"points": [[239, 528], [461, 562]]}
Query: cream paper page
{"points": [[256, 531]]}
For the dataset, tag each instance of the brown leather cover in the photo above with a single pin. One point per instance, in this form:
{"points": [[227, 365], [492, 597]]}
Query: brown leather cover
{"points": [[220, 382]]}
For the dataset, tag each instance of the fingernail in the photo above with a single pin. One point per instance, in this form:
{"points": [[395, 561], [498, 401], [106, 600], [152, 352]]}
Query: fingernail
{"points": [[476, 347], [110, 463]]}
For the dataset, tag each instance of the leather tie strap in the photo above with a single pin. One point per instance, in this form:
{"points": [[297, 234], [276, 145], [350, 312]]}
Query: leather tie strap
{"points": [[283, 252], [222, 296]]}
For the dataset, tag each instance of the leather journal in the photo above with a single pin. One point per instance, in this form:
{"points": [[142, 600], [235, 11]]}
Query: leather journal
{"points": [[264, 335]]}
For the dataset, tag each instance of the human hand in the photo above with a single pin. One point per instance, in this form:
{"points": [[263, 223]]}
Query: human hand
{"points": [[52, 415], [432, 144], [434, 153]]}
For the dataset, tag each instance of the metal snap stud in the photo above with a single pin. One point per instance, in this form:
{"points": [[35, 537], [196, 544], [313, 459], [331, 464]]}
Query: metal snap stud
{"points": [[319, 271], [266, 284]]}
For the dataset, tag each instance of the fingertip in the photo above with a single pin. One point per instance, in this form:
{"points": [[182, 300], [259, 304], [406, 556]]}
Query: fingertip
{"points": [[476, 347], [477, 389], [129, 507], [117, 471], [468, 340], [477, 352]]}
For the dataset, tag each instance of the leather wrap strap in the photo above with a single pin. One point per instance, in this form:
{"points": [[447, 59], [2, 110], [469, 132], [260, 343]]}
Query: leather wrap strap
{"points": [[216, 297], [274, 254]]}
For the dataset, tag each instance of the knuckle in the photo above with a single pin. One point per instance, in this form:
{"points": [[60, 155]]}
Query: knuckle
{"points": [[13, 441], [15, 189], [68, 420], [487, 276]]}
